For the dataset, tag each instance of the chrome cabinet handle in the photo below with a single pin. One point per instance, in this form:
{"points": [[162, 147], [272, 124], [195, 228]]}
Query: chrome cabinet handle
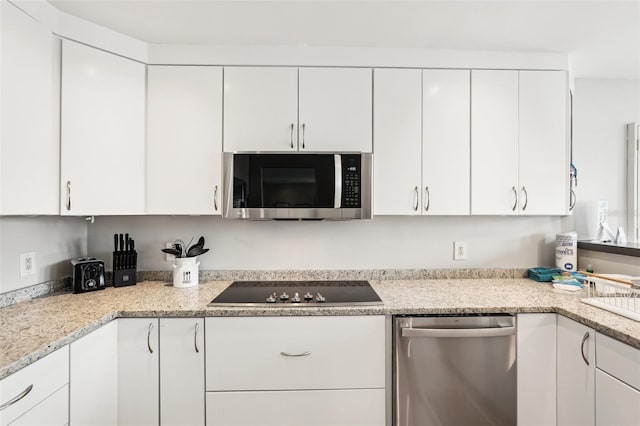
{"points": [[526, 198], [415, 198], [195, 337], [584, 339], [303, 127], [306, 353], [68, 195], [291, 135], [16, 398], [572, 196], [426, 191], [215, 198], [515, 202], [149, 337]]}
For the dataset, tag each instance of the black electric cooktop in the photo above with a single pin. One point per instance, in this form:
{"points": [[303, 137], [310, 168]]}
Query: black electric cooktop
{"points": [[297, 293]]}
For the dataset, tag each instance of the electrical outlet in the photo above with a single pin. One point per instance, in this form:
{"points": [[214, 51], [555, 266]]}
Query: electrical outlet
{"points": [[603, 211], [27, 264], [459, 250], [169, 257]]}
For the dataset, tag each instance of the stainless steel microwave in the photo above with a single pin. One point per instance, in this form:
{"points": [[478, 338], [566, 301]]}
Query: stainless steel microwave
{"points": [[297, 186]]}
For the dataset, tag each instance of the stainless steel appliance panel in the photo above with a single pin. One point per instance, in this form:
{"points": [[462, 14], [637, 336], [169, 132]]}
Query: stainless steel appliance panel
{"points": [[453, 371]]}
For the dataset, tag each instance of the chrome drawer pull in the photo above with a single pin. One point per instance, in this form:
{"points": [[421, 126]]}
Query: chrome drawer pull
{"points": [[195, 338], [584, 340], [415, 199], [291, 135], [515, 202], [307, 353], [526, 198], [149, 337], [16, 398], [215, 198]]}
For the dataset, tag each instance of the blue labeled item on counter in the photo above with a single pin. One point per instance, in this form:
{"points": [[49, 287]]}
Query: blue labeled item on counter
{"points": [[543, 274]]}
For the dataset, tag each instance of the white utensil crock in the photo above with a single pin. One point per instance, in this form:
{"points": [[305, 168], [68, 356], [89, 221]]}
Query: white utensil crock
{"points": [[185, 272]]}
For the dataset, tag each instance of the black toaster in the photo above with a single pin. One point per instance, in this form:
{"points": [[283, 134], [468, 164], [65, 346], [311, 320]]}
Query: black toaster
{"points": [[87, 274]]}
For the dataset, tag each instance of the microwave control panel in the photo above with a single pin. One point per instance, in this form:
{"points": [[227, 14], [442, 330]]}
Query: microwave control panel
{"points": [[351, 181]]}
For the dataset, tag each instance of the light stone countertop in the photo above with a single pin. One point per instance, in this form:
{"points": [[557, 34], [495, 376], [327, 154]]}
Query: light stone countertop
{"points": [[30, 330]]}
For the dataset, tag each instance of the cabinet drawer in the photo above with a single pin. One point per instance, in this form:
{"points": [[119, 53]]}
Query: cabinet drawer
{"points": [[618, 359], [351, 407], [278, 353], [616, 403], [45, 376], [53, 411]]}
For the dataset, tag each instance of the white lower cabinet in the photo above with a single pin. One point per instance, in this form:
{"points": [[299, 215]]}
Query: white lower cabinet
{"points": [[536, 349], [304, 370], [53, 411], [161, 371], [576, 373], [138, 371], [37, 392], [182, 371], [93, 378], [617, 383], [349, 407]]}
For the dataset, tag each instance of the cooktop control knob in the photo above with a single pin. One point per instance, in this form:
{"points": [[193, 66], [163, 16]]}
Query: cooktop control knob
{"points": [[320, 298], [295, 298], [308, 296], [271, 298], [284, 296]]}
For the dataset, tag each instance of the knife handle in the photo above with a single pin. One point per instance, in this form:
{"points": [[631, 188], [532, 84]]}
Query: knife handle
{"points": [[126, 242], [115, 242]]}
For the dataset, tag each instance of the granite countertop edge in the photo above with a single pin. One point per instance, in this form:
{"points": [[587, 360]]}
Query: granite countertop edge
{"points": [[396, 295]]}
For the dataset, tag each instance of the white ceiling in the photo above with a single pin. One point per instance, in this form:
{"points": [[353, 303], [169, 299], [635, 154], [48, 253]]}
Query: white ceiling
{"points": [[602, 37]]}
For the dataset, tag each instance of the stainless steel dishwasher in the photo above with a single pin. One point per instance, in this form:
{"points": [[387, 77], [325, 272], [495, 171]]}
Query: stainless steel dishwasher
{"points": [[455, 371]]}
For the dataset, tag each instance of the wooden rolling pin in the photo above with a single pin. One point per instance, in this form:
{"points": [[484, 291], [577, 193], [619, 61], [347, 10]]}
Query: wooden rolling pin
{"points": [[604, 277]]}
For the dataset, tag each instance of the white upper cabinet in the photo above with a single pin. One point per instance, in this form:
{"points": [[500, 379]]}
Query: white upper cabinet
{"points": [[446, 144], [184, 140], [397, 111], [494, 142], [335, 109], [29, 157], [103, 133], [421, 132], [543, 147], [519, 144], [260, 109]]}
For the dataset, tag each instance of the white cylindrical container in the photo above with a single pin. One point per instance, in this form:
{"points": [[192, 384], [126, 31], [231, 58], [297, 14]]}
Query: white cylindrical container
{"points": [[567, 251], [185, 272]]}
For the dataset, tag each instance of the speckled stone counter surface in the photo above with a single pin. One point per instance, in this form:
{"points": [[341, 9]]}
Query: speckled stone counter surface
{"points": [[33, 329]]}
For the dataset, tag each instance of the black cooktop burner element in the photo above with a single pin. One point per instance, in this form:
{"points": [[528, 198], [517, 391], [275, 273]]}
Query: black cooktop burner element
{"points": [[297, 293]]}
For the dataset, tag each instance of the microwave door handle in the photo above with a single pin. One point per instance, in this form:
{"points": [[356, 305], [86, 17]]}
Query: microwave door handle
{"points": [[337, 159]]}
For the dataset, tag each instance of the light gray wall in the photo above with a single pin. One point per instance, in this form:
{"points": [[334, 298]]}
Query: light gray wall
{"points": [[55, 240], [380, 243], [602, 108]]}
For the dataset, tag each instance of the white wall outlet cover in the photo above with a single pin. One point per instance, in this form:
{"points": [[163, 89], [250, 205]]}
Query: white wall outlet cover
{"points": [[169, 257], [28, 264], [459, 250]]}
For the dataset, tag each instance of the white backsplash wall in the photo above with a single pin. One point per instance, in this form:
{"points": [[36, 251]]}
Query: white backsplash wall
{"points": [[55, 240], [602, 109], [380, 243]]}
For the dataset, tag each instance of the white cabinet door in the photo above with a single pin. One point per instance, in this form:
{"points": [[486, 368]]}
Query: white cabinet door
{"points": [[260, 109], [53, 411], [35, 382], [138, 371], [616, 402], [103, 129], [350, 407], [398, 143], [29, 149], [93, 379], [335, 109], [543, 143], [445, 142], [494, 142], [576, 373], [182, 391], [536, 340], [184, 140]]}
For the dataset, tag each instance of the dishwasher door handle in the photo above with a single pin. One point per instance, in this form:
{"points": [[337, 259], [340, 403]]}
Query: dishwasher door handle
{"points": [[459, 332]]}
